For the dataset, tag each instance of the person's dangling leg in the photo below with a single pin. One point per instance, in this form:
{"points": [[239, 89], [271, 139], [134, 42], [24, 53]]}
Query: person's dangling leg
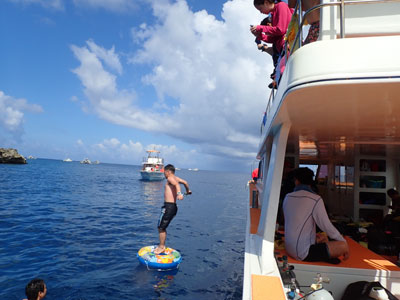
{"points": [[168, 212], [163, 237]]}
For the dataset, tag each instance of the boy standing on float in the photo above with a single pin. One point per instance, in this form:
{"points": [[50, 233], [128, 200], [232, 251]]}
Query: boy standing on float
{"points": [[172, 191]]}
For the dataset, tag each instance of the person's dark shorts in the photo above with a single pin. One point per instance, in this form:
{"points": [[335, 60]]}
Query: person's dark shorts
{"points": [[168, 212], [318, 252]]}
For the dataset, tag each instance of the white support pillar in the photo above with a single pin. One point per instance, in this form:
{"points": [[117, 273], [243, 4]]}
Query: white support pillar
{"points": [[272, 188]]}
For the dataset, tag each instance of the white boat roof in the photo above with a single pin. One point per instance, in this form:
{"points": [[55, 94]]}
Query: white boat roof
{"points": [[152, 151]]}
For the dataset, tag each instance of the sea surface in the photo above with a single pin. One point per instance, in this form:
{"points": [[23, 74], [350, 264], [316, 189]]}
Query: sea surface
{"points": [[79, 228]]}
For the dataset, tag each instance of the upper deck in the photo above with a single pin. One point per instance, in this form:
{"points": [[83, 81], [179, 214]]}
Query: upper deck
{"points": [[352, 69], [153, 158]]}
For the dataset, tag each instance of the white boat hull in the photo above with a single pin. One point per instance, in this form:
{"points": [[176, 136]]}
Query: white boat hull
{"points": [[152, 176]]}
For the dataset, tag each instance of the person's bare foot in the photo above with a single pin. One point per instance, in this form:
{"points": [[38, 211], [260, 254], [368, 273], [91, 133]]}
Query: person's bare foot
{"points": [[159, 250]]}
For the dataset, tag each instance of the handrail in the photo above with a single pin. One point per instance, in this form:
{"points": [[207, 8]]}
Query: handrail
{"points": [[270, 102], [301, 21]]}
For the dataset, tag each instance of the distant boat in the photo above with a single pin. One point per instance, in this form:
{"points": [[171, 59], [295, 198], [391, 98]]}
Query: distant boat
{"points": [[96, 162], [195, 169], [152, 166], [67, 160], [177, 169], [86, 161], [31, 157]]}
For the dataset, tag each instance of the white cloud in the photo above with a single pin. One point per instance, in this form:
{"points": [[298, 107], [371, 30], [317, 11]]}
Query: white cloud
{"points": [[53, 4], [107, 100], [74, 99], [109, 57], [211, 68], [112, 5], [12, 113], [111, 143], [132, 149]]}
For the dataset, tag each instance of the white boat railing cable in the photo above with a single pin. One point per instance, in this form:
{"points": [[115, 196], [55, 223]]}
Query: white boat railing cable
{"points": [[269, 104], [301, 20]]}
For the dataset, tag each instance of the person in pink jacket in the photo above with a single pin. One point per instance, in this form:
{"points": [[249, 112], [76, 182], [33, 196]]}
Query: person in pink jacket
{"points": [[274, 34], [281, 15]]}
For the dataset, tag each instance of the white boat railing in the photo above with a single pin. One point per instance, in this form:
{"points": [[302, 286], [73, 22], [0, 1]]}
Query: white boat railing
{"points": [[301, 21], [156, 160], [341, 4]]}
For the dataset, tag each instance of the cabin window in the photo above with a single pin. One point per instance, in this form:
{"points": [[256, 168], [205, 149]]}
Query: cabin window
{"points": [[320, 172], [260, 168], [322, 175], [312, 167], [344, 177]]}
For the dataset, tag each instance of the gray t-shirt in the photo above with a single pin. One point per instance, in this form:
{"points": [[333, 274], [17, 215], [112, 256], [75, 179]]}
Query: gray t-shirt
{"points": [[302, 210]]}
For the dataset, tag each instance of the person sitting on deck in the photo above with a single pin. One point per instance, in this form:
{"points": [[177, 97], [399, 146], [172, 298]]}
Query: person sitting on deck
{"points": [[303, 210], [391, 222], [394, 195]]}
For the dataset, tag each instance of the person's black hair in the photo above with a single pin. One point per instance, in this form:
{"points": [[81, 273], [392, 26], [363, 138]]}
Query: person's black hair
{"points": [[266, 21], [33, 288], [170, 168], [304, 175], [392, 192]]}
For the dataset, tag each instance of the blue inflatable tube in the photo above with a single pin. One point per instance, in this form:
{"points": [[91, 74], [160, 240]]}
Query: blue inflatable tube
{"points": [[169, 259]]}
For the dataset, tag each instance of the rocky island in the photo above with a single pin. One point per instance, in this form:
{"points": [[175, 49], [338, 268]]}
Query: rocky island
{"points": [[11, 156]]}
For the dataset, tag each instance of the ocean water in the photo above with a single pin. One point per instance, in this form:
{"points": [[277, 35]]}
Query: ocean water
{"points": [[79, 228]]}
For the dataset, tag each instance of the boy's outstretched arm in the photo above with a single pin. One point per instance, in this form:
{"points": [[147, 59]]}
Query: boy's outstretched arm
{"points": [[175, 182], [184, 182]]}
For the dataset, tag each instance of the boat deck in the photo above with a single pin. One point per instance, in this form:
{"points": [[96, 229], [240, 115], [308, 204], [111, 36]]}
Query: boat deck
{"points": [[360, 258], [267, 287], [363, 264]]}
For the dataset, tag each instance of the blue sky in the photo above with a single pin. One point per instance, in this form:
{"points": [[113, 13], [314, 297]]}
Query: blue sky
{"points": [[108, 79]]}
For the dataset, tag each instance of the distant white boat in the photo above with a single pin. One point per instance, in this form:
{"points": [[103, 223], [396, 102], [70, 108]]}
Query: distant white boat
{"points": [[67, 160], [31, 157], [195, 169], [96, 162], [86, 161]]}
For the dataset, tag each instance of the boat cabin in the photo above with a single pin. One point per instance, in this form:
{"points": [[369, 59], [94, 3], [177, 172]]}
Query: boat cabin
{"points": [[152, 166], [153, 161], [336, 111]]}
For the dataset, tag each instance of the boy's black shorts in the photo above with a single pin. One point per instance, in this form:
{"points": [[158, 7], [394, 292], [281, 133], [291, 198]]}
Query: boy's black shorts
{"points": [[168, 212]]}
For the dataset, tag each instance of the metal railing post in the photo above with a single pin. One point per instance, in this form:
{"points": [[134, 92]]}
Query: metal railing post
{"points": [[342, 33], [300, 23]]}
